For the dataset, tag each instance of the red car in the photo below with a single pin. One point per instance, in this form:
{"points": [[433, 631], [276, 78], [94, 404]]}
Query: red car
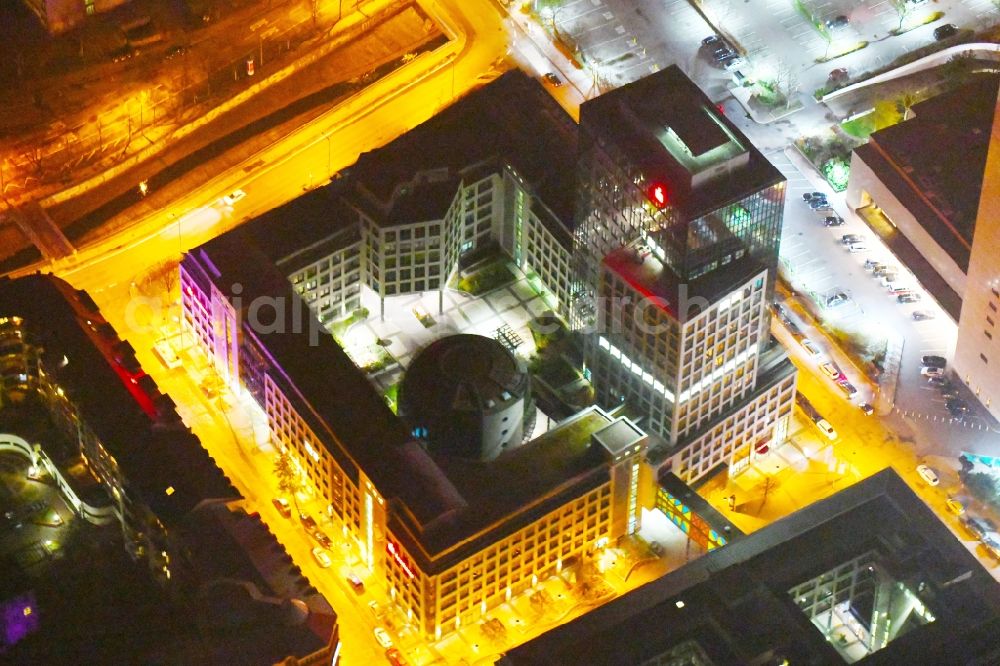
{"points": [[395, 657]]}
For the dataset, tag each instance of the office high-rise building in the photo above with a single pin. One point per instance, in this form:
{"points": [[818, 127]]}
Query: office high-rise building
{"points": [[676, 251]]}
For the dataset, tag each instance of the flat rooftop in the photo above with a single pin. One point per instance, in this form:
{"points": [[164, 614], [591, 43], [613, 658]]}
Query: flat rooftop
{"points": [[513, 120], [934, 162], [528, 480], [733, 605], [305, 229], [667, 126]]}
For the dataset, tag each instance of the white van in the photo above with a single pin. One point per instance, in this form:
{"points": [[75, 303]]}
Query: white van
{"points": [[826, 428]]}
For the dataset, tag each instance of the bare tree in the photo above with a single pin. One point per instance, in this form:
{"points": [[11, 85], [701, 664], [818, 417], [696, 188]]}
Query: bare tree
{"points": [[161, 279], [288, 477]]}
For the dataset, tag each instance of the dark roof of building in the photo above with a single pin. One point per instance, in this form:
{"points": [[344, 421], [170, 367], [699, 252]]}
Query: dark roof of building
{"points": [[305, 229], [639, 116], [934, 162], [331, 390], [529, 481], [513, 120], [733, 603], [154, 451], [228, 548]]}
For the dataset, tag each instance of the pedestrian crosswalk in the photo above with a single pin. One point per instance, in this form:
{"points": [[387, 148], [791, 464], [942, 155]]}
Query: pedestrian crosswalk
{"points": [[936, 418]]}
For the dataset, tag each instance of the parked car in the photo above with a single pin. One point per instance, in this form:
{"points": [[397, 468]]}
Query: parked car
{"points": [[283, 507], [837, 299], [883, 269], [945, 31], [888, 278], [872, 265], [957, 407], [321, 538], [830, 370], [395, 657], [321, 557], [908, 298], [811, 347], [356, 583], [991, 542], [382, 636], [922, 315], [711, 39], [833, 221], [955, 506], [375, 608], [307, 521], [978, 526], [847, 387], [857, 247], [932, 361], [838, 22], [897, 289], [174, 51], [234, 196], [721, 51], [123, 53], [826, 428], [928, 475], [733, 62], [932, 372], [939, 381], [821, 205], [847, 239], [552, 79], [866, 408]]}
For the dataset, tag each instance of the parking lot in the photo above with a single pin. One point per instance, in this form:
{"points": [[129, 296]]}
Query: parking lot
{"points": [[818, 264], [624, 41], [33, 517]]}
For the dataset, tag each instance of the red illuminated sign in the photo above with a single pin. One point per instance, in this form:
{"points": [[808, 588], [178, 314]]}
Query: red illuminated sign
{"points": [[390, 548], [658, 194]]}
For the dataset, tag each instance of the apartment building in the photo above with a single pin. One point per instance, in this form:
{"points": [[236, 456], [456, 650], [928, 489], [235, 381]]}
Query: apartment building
{"points": [[678, 225], [57, 349]]}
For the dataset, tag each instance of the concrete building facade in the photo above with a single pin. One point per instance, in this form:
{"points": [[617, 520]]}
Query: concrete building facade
{"points": [[977, 353]]}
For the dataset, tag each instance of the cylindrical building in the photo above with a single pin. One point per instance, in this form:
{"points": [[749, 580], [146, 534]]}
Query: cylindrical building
{"points": [[466, 396]]}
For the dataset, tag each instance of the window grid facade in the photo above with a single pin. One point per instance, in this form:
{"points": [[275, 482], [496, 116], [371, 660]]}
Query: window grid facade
{"points": [[510, 566], [734, 440], [421, 255], [331, 286]]}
